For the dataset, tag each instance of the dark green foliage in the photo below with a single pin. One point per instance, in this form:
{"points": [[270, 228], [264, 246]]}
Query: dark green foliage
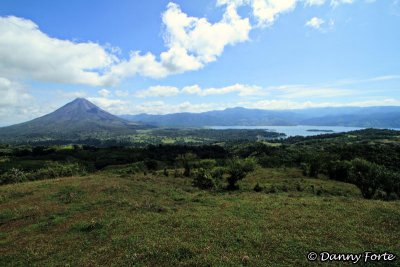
{"points": [[217, 173], [204, 180], [366, 176], [339, 170], [165, 172], [237, 170], [258, 188], [13, 176], [151, 164], [390, 183]]}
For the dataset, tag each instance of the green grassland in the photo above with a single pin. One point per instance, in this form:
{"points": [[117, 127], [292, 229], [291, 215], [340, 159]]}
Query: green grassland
{"points": [[107, 219]]}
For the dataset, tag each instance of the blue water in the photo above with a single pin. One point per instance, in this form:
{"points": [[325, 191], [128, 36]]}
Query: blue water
{"points": [[300, 130]]}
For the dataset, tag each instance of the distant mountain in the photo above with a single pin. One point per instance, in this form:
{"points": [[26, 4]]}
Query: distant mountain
{"points": [[379, 117], [227, 117], [79, 117]]}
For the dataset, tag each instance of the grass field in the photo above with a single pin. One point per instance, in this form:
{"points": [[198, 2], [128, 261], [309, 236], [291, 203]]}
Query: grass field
{"points": [[105, 219]]}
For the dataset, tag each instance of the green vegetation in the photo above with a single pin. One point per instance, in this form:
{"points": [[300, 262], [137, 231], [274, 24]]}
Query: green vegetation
{"points": [[143, 137], [223, 204], [154, 220]]}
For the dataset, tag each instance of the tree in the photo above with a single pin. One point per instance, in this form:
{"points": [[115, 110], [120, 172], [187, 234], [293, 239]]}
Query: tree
{"points": [[339, 170], [187, 162], [237, 170], [366, 176], [204, 180]]}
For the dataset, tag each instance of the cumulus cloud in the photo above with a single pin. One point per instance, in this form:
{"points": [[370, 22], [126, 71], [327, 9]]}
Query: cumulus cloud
{"points": [[241, 89], [104, 93], [192, 42], [158, 91], [315, 23], [308, 91], [278, 104], [12, 93], [165, 91], [314, 2], [115, 106], [160, 107], [264, 11], [15, 102], [28, 53], [121, 93]]}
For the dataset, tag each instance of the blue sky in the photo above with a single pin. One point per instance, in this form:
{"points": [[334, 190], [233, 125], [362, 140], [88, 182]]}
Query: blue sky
{"points": [[160, 57]]}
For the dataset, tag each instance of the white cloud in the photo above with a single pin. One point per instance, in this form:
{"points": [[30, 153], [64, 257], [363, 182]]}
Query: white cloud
{"points": [[12, 93], [165, 91], [277, 104], [315, 23], [160, 107], [15, 102], [241, 89], [265, 11], [307, 91], [121, 93], [192, 42], [193, 89], [28, 53], [333, 3], [114, 106], [314, 2], [104, 93], [158, 91], [338, 2]]}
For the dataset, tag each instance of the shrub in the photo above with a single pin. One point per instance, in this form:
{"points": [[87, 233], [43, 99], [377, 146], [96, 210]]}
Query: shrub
{"points": [[366, 176], [249, 164], [204, 180], [258, 188], [217, 173], [339, 170], [151, 164], [13, 176], [166, 173], [207, 164], [304, 168], [237, 170], [390, 183], [56, 169]]}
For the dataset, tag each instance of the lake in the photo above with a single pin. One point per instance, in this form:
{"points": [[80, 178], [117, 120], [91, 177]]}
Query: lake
{"points": [[302, 130]]}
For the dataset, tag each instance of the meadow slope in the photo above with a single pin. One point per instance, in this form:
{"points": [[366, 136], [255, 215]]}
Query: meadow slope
{"points": [[105, 219]]}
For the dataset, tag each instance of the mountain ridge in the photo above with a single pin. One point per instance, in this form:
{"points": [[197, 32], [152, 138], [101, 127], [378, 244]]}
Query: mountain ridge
{"points": [[376, 116]]}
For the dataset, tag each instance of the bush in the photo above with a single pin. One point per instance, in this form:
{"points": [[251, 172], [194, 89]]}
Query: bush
{"points": [[207, 164], [217, 173], [366, 176], [166, 173], [56, 169], [258, 188], [151, 164], [13, 176], [339, 170], [204, 180], [237, 170]]}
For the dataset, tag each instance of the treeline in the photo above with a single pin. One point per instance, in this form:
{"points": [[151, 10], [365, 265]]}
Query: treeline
{"points": [[142, 138], [372, 166]]}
